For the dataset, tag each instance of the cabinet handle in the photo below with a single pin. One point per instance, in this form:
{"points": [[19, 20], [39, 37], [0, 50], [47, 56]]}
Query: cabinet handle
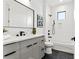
{"points": [[9, 54], [42, 40], [29, 45], [35, 43]]}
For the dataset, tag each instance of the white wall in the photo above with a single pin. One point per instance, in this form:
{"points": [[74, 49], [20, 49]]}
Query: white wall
{"points": [[64, 31], [37, 5], [48, 22]]}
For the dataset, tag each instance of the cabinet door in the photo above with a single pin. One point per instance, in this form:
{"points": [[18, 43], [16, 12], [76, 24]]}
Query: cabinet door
{"points": [[26, 52], [12, 55], [11, 51], [36, 51]]}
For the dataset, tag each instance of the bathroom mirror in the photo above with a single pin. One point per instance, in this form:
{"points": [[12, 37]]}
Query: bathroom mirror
{"points": [[19, 15]]}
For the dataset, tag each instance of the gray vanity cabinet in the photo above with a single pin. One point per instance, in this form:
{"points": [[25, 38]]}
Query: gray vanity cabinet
{"points": [[11, 51], [28, 49]]}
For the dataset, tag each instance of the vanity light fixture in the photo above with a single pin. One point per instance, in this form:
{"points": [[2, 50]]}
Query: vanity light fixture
{"points": [[61, 0]]}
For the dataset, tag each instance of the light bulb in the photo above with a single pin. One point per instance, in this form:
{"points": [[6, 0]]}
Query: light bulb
{"points": [[61, 0]]}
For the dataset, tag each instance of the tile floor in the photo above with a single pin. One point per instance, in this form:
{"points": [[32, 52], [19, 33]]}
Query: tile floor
{"points": [[58, 55]]}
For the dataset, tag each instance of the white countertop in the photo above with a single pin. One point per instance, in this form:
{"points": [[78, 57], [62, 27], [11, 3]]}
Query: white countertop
{"points": [[17, 39]]}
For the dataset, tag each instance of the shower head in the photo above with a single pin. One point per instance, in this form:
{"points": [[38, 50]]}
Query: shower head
{"points": [[50, 15]]}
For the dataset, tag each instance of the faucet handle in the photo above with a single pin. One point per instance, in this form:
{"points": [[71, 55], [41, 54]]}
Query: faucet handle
{"points": [[17, 35], [22, 33]]}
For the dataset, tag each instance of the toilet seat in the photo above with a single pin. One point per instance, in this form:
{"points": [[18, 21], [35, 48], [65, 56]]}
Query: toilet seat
{"points": [[48, 44]]}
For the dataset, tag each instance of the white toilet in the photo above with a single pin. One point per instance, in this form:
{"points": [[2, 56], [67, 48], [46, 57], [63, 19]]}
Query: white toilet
{"points": [[49, 46]]}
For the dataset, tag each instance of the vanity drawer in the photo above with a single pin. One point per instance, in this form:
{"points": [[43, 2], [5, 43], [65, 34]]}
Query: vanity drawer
{"points": [[29, 42], [26, 43], [10, 48]]}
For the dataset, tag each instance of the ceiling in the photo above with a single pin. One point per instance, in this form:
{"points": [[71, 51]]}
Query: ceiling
{"points": [[56, 2]]}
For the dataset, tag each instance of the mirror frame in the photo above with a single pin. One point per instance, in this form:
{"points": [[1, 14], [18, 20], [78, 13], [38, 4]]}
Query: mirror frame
{"points": [[29, 9]]}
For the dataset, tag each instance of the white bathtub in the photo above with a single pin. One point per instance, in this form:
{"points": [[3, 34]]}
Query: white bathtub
{"points": [[65, 47]]}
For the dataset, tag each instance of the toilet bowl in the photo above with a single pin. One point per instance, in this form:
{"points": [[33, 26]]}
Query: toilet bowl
{"points": [[49, 46]]}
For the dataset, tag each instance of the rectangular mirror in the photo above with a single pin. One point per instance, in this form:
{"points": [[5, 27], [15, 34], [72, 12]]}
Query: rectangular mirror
{"points": [[19, 15]]}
